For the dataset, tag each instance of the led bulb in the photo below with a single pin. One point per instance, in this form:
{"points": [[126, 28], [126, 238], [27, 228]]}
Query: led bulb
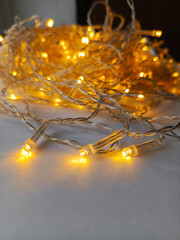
{"points": [[14, 73], [1, 38], [155, 59], [85, 40], [27, 148], [81, 54], [44, 54], [140, 96], [50, 23], [83, 152], [130, 151], [156, 33], [12, 96], [142, 74], [143, 40], [80, 79], [175, 74], [93, 148]]}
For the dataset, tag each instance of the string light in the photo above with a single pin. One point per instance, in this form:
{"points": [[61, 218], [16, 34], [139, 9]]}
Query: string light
{"points": [[87, 67]]}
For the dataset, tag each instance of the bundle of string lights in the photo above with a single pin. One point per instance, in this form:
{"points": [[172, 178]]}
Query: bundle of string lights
{"points": [[121, 71]]}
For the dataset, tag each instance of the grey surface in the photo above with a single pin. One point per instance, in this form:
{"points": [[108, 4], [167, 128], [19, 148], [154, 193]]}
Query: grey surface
{"points": [[62, 11], [49, 198]]}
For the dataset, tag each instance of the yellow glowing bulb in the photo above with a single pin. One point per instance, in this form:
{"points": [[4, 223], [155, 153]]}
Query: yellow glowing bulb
{"points": [[127, 90], [102, 77], [126, 152], [44, 54], [144, 48], [81, 54], [1, 38], [91, 34], [48, 78], [89, 28], [50, 23], [62, 43], [14, 73], [155, 59], [85, 40], [12, 96], [83, 152], [157, 33], [64, 47], [58, 100], [140, 96], [142, 74], [130, 151], [68, 57], [143, 40], [80, 79], [27, 148], [66, 51], [43, 39], [175, 74]]}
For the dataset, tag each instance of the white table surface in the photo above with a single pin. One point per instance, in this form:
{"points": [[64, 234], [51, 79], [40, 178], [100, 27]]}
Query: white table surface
{"points": [[49, 198]]}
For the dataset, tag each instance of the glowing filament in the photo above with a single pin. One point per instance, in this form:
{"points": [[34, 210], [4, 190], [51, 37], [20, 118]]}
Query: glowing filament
{"points": [[85, 40], [127, 90], [175, 74], [50, 23]]}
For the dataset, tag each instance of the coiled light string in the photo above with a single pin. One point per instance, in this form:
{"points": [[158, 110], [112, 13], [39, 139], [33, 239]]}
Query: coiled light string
{"points": [[119, 71]]}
